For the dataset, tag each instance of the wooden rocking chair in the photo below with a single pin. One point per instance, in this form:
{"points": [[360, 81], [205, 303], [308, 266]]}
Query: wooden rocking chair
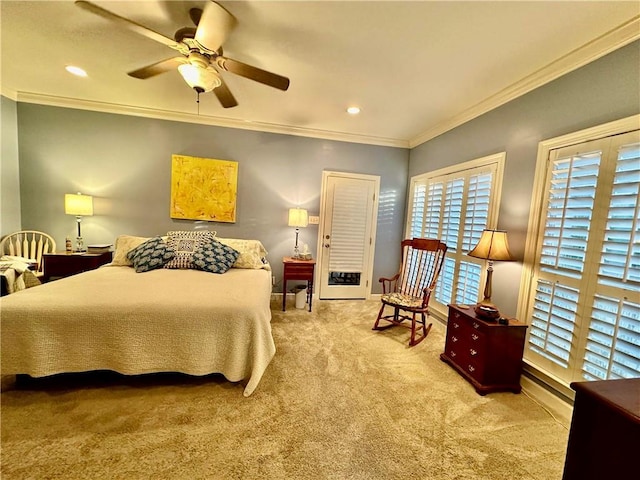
{"points": [[410, 289], [29, 244]]}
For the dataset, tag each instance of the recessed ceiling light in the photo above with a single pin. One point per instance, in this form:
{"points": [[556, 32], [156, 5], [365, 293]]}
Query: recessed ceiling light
{"points": [[76, 71], [353, 110]]}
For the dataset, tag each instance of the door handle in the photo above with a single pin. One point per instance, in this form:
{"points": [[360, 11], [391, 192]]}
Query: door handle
{"points": [[326, 245]]}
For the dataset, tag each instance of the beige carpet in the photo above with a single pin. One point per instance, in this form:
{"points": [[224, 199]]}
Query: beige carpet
{"points": [[339, 401]]}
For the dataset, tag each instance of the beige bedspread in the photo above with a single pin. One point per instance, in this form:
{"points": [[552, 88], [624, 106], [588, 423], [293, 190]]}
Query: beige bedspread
{"points": [[165, 320]]}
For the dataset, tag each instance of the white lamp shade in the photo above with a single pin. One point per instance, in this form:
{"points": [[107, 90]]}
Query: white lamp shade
{"points": [[492, 245], [78, 204], [298, 217]]}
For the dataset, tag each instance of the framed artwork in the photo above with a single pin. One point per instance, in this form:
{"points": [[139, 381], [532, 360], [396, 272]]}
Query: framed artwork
{"points": [[203, 189]]}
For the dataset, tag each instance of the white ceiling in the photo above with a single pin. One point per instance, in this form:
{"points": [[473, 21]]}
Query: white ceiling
{"points": [[415, 68]]}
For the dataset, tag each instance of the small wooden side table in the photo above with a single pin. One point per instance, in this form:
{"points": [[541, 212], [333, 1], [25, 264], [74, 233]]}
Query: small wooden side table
{"points": [[62, 264], [294, 269]]}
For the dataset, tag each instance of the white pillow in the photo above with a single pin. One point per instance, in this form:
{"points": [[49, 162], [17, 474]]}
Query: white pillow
{"points": [[124, 244], [252, 253]]}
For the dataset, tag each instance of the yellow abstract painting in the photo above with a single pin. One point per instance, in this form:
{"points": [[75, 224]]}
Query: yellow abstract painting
{"points": [[203, 188]]}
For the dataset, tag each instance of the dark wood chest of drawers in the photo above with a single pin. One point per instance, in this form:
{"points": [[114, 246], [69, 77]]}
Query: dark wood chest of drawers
{"points": [[63, 264], [605, 430], [486, 353]]}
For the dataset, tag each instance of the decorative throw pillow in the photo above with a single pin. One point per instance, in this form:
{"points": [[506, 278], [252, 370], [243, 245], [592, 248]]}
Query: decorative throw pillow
{"points": [[185, 244], [214, 257], [252, 253], [124, 244], [152, 254]]}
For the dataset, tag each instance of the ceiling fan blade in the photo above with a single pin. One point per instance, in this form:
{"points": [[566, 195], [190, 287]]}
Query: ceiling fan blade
{"points": [[253, 73], [158, 68], [195, 14], [214, 26], [131, 25], [226, 98]]}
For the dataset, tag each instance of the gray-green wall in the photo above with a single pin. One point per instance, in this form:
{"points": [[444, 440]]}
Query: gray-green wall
{"points": [[125, 163], [605, 90], [9, 169]]}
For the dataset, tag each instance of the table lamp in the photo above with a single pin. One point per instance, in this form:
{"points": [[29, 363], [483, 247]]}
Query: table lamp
{"points": [[80, 206], [492, 246], [298, 217]]}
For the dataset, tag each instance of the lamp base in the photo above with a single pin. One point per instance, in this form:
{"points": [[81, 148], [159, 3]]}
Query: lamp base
{"points": [[80, 245]]}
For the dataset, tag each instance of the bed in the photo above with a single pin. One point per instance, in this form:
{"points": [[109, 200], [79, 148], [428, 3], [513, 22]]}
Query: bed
{"points": [[164, 320]]}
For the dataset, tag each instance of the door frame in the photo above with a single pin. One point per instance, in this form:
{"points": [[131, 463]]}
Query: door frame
{"points": [[368, 275]]}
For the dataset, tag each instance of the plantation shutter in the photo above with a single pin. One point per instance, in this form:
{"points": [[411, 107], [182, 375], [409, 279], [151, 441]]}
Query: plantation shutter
{"points": [[417, 210], [349, 227], [613, 340], [585, 320], [452, 212], [433, 210], [456, 207]]}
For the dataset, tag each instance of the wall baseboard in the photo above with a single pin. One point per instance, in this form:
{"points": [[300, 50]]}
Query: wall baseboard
{"points": [[559, 408]]}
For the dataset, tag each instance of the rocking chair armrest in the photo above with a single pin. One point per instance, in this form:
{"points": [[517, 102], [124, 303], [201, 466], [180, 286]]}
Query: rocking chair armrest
{"points": [[386, 282], [427, 296], [384, 279]]}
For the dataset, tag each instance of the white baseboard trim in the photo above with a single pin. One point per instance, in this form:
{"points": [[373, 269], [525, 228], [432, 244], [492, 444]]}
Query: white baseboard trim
{"points": [[557, 407]]}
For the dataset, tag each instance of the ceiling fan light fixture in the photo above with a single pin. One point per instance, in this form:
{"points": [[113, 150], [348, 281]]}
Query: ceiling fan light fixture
{"points": [[198, 78]]}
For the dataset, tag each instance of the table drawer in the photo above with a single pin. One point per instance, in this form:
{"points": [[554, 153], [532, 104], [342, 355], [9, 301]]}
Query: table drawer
{"points": [[301, 272]]}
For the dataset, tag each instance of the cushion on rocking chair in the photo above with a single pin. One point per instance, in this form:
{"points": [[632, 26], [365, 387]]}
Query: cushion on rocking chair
{"points": [[402, 300]]}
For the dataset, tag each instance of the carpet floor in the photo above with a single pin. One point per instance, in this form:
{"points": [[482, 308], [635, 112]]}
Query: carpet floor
{"points": [[338, 401]]}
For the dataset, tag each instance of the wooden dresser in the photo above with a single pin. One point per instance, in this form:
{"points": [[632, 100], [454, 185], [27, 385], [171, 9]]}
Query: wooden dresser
{"points": [[486, 353], [604, 440]]}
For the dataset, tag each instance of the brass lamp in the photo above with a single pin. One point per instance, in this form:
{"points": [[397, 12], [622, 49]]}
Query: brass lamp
{"points": [[80, 206], [492, 246], [298, 217]]}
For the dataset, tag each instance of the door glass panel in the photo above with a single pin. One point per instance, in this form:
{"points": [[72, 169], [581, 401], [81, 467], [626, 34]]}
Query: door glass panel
{"points": [[344, 278]]}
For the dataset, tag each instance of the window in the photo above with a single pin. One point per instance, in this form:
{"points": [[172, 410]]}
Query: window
{"points": [[455, 204], [583, 254]]}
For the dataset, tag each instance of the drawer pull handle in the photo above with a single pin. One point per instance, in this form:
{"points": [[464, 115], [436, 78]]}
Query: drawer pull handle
{"points": [[455, 325], [476, 325], [454, 339], [453, 354], [474, 336], [472, 368], [456, 315], [473, 352]]}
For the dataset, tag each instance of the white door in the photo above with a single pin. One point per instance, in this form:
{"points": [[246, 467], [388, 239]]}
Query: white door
{"points": [[349, 210]]}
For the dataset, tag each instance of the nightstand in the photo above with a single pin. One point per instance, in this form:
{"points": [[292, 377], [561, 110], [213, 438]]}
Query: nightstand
{"points": [[62, 264], [294, 269], [486, 353]]}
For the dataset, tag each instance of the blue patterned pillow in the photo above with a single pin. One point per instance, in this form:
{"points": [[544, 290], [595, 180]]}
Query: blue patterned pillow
{"points": [[152, 254], [214, 257]]}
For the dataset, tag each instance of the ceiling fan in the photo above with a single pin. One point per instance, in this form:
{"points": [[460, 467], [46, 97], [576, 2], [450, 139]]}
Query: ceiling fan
{"points": [[201, 52]]}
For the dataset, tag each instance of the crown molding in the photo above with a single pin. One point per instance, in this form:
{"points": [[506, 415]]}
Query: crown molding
{"points": [[595, 49], [10, 94], [104, 107]]}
